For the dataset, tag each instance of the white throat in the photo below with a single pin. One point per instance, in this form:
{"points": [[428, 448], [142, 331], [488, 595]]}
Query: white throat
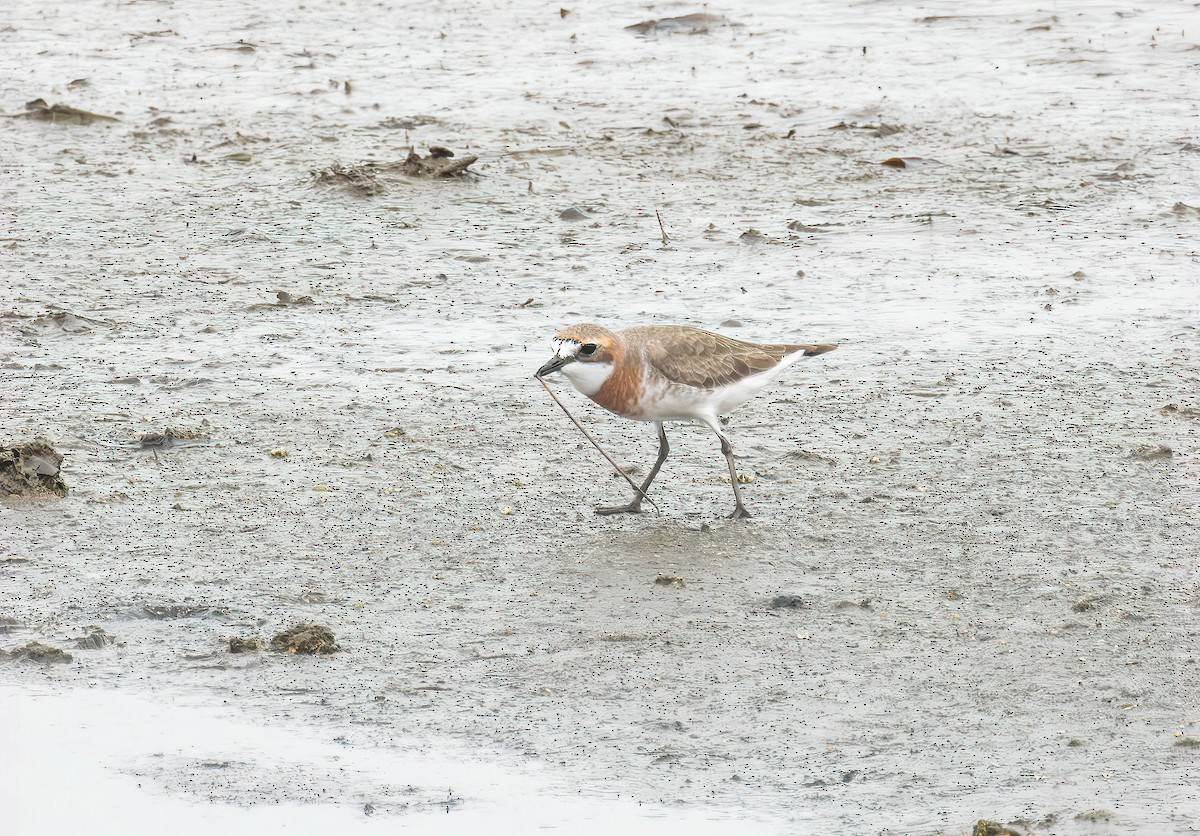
{"points": [[588, 377]]}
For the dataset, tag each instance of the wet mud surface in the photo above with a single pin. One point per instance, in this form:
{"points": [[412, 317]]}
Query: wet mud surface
{"points": [[969, 591]]}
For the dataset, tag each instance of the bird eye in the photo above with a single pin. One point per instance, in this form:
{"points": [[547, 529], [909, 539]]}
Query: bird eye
{"points": [[588, 350]]}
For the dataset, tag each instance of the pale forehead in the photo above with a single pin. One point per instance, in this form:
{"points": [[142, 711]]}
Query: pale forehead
{"points": [[565, 347]]}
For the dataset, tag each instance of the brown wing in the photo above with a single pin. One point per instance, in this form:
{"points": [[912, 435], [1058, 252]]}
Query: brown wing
{"points": [[706, 360]]}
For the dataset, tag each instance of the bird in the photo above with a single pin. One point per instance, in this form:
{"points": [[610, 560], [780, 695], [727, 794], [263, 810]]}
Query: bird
{"points": [[661, 373]]}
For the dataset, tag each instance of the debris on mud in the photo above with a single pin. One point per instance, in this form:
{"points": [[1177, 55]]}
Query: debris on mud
{"points": [[693, 24], [395, 123], [983, 827], [31, 468], [1150, 452], [440, 163], [670, 580], [8, 624], [800, 226], [38, 652], [1087, 602], [54, 320], [364, 180], [881, 130], [60, 114], [1181, 411], [313, 639], [283, 299], [787, 602], [911, 162], [169, 437], [246, 644], [96, 638], [164, 611], [357, 179], [809, 456]]}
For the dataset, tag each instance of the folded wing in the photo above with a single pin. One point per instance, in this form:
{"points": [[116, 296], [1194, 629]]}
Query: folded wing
{"points": [[706, 360]]}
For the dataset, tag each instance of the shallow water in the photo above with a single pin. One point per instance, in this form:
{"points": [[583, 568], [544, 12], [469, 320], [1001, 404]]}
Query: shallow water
{"points": [[1012, 322]]}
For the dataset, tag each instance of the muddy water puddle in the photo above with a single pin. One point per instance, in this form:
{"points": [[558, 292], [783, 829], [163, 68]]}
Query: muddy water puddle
{"points": [[285, 401]]}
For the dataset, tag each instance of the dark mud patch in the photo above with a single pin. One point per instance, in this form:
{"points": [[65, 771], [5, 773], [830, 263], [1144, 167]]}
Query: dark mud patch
{"points": [[36, 651], [310, 639], [669, 580], [32, 469]]}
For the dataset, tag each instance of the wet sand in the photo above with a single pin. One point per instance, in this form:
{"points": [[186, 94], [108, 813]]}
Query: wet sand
{"points": [[983, 505]]}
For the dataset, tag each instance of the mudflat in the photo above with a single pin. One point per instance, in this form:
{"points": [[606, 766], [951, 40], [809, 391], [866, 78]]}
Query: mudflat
{"points": [[283, 334]]}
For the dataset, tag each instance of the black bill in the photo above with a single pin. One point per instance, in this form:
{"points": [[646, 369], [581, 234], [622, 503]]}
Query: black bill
{"points": [[555, 364]]}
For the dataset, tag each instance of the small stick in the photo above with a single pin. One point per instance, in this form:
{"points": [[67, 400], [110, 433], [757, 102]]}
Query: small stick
{"points": [[595, 444], [663, 229]]}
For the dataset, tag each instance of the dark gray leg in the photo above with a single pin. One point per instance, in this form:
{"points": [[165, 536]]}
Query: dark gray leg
{"points": [[635, 507], [739, 510]]}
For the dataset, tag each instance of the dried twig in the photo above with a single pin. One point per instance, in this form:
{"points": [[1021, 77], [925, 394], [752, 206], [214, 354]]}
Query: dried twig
{"points": [[595, 443], [663, 229]]}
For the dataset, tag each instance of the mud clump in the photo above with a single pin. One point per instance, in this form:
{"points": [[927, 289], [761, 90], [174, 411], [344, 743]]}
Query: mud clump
{"points": [[246, 644], [983, 827], [787, 602], [1151, 452], [95, 639], [670, 580], [39, 652], [1087, 603], [356, 179], [164, 611], [311, 639], [441, 162], [364, 180], [33, 469], [694, 24], [169, 437], [59, 114]]}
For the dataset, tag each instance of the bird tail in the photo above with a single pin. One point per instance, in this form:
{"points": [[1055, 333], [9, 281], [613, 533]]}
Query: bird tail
{"points": [[817, 348]]}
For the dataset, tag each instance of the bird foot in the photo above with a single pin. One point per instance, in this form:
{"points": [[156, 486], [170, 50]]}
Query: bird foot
{"points": [[740, 513], [631, 508]]}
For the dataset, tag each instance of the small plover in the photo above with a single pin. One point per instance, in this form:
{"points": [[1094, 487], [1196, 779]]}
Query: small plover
{"points": [[671, 373]]}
